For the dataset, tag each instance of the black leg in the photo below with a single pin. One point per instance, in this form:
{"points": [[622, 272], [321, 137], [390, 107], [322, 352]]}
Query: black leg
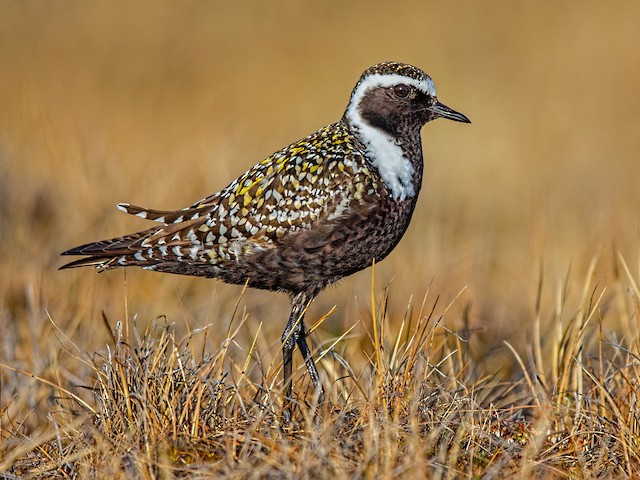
{"points": [[311, 365], [296, 334], [287, 357], [289, 340]]}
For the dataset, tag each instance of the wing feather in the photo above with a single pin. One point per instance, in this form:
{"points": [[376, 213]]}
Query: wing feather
{"points": [[296, 188]]}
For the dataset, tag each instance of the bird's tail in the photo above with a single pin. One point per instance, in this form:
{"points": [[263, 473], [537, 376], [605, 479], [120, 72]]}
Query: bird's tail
{"points": [[169, 243], [113, 253]]}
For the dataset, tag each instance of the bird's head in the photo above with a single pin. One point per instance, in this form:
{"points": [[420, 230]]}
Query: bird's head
{"points": [[393, 96]]}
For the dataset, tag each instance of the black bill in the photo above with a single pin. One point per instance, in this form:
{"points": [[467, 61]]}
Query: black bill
{"points": [[443, 111]]}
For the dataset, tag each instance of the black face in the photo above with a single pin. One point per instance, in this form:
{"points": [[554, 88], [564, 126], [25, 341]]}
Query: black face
{"points": [[403, 108], [396, 108]]}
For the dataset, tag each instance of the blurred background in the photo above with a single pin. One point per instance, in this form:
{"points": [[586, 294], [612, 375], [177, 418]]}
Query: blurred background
{"points": [[162, 103]]}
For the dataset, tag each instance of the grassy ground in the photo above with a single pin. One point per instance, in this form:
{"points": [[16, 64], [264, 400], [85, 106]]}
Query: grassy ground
{"points": [[500, 338]]}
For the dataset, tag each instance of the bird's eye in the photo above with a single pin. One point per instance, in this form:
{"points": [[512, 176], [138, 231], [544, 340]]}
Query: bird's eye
{"points": [[401, 91]]}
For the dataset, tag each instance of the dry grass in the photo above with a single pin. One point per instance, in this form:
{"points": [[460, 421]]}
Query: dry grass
{"points": [[161, 407], [521, 360]]}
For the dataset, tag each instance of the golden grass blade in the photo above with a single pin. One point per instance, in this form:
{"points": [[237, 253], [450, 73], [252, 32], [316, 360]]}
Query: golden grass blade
{"points": [[75, 397]]}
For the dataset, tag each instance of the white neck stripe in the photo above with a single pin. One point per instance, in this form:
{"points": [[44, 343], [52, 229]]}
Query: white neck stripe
{"points": [[383, 151]]}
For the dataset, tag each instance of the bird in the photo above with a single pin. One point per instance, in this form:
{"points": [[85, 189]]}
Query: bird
{"points": [[312, 213]]}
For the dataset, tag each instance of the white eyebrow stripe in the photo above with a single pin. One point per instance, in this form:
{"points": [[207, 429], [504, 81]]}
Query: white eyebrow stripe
{"points": [[378, 80]]}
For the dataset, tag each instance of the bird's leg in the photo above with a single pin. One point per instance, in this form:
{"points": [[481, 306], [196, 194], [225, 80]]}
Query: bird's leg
{"points": [[289, 340], [296, 334], [308, 359]]}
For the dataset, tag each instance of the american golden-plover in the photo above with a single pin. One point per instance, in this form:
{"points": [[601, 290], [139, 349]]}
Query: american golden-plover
{"points": [[308, 215]]}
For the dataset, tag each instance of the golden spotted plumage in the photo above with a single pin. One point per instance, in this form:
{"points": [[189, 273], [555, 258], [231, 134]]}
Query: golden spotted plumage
{"points": [[286, 192]]}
